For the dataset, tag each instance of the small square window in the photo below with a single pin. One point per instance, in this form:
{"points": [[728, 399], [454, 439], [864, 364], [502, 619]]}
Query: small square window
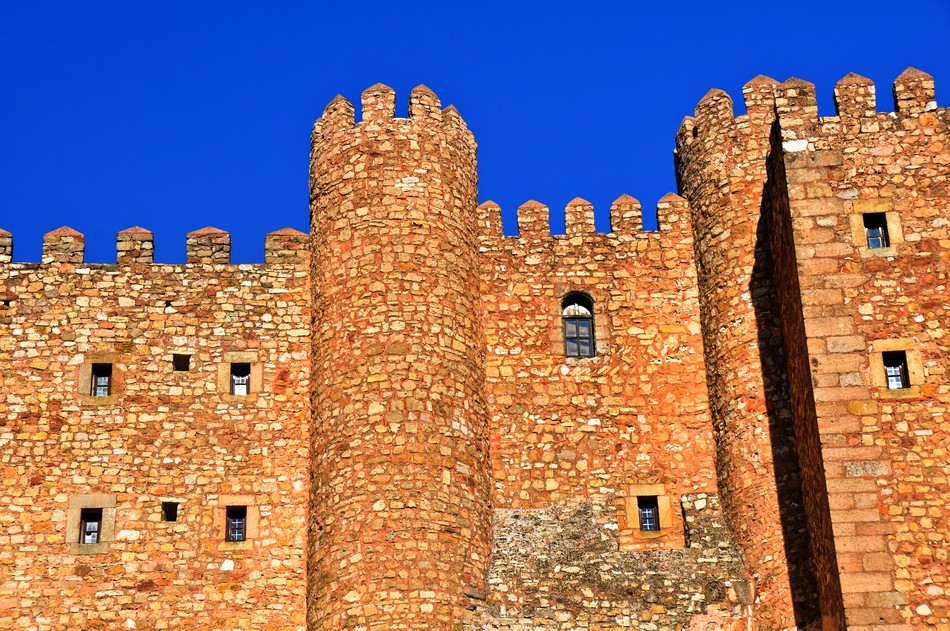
{"points": [[236, 523], [182, 363], [90, 525], [101, 380], [895, 369], [169, 511], [875, 230], [649, 510], [240, 379]]}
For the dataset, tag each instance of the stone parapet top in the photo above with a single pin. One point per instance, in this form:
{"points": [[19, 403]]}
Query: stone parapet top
{"points": [[135, 245]]}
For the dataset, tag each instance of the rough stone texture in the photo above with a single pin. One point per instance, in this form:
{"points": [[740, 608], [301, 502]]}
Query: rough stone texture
{"points": [[417, 452], [873, 461], [401, 508], [160, 435], [721, 170], [560, 568]]}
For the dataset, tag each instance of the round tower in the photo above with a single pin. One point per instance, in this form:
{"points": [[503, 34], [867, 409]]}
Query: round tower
{"points": [[722, 171], [400, 504]]}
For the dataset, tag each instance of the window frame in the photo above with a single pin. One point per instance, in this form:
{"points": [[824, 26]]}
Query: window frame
{"points": [[90, 525], [581, 300], [880, 219], [251, 524], [101, 376], [891, 225], [648, 510], [235, 523], [886, 352], [76, 524]]}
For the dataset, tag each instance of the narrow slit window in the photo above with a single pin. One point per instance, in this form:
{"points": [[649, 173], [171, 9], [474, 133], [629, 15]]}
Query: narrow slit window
{"points": [[169, 511], [577, 311], [895, 369], [649, 510], [875, 229], [181, 362], [240, 379], [236, 523], [90, 525], [101, 380]]}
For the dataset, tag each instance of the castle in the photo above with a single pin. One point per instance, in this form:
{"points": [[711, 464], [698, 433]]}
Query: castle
{"points": [[407, 420]]}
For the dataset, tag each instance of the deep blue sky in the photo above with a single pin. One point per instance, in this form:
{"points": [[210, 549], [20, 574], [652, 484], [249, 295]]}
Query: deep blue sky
{"points": [[178, 115]]}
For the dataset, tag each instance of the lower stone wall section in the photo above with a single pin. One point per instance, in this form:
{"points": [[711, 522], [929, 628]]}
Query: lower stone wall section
{"points": [[561, 568]]}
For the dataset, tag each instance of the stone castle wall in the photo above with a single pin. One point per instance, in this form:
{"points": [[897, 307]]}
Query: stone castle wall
{"points": [[417, 451], [872, 458], [575, 440], [884, 451], [160, 435]]}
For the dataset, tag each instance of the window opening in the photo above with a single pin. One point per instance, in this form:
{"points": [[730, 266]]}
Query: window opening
{"points": [[182, 363], [577, 310], [875, 229], [236, 523], [895, 369], [649, 512], [169, 511], [90, 525], [101, 380], [240, 378]]}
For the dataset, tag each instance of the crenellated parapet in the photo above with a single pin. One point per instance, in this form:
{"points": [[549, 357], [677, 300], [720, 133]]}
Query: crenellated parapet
{"points": [[794, 101], [136, 246], [626, 220], [441, 131]]}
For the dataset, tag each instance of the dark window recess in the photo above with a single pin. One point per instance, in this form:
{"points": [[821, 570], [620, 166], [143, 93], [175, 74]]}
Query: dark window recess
{"points": [[169, 511], [101, 380], [875, 228], [182, 363], [895, 369], [649, 513], [240, 379], [90, 525], [577, 310], [236, 526]]}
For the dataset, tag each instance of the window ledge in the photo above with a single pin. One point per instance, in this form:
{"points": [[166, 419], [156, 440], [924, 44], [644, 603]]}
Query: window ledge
{"points": [[889, 251], [233, 546], [91, 401], [912, 392], [89, 548], [240, 398]]}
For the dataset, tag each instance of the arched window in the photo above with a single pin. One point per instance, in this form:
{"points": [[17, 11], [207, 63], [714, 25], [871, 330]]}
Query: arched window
{"points": [[577, 310]]}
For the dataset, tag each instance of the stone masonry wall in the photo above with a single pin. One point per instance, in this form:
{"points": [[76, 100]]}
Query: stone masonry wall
{"points": [[401, 507], [884, 451], [721, 170], [560, 568], [572, 438], [159, 436]]}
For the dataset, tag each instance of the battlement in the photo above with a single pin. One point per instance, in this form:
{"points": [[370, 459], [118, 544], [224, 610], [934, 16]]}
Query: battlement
{"points": [[135, 246], [378, 104], [795, 103], [626, 220]]}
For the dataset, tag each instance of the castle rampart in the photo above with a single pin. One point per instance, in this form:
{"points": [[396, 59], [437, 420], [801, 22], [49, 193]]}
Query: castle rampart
{"points": [[409, 420], [163, 431]]}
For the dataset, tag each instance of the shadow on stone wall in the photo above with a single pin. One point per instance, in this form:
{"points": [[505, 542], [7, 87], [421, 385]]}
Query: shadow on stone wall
{"points": [[788, 479]]}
